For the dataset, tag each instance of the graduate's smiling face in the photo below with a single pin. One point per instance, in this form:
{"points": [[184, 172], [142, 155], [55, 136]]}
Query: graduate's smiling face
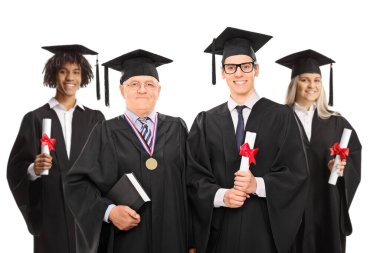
{"points": [[69, 78], [308, 88], [141, 94], [241, 84]]}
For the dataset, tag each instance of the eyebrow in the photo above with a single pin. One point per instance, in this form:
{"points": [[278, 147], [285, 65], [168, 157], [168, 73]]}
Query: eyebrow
{"points": [[79, 69]]}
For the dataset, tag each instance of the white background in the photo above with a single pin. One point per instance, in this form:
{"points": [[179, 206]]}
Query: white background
{"points": [[345, 31]]}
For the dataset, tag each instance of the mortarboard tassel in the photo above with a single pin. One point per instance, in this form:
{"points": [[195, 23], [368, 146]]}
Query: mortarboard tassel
{"points": [[97, 79], [213, 63], [331, 92], [106, 91]]}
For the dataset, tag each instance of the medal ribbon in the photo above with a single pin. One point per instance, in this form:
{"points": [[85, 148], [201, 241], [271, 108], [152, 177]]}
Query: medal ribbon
{"points": [[46, 141], [148, 149], [337, 150], [250, 153]]}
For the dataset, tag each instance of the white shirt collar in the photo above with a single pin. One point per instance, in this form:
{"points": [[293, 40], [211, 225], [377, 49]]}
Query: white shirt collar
{"points": [[250, 102], [134, 117], [54, 102], [301, 109]]}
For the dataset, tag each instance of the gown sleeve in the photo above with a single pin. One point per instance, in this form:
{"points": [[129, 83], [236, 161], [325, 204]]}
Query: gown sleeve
{"points": [[26, 193], [286, 182], [90, 177], [348, 184], [201, 182]]}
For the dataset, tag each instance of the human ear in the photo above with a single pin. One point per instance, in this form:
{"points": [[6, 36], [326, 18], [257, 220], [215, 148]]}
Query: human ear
{"points": [[257, 70]]}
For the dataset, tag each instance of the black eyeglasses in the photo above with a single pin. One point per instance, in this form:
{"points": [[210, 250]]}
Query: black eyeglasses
{"points": [[246, 67]]}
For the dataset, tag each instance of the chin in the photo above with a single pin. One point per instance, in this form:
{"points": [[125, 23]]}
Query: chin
{"points": [[242, 92]]}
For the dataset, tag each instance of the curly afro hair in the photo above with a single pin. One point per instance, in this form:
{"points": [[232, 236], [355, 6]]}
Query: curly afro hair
{"points": [[58, 60]]}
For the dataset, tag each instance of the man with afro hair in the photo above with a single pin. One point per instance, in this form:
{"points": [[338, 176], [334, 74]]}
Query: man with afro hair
{"points": [[35, 178]]}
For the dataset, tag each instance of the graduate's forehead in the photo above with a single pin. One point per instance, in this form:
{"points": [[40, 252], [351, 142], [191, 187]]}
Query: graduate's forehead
{"points": [[237, 59], [142, 78], [70, 66]]}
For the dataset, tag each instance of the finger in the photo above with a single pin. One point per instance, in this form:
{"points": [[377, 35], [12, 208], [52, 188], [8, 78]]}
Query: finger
{"points": [[243, 192], [132, 213], [241, 179], [239, 188], [242, 173], [48, 159], [44, 155], [239, 193], [45, 165], [239, 183], [239, 198], [137, 219], [134, 223], [237, 203]]}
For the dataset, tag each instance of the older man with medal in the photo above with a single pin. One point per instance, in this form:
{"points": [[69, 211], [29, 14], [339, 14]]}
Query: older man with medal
{"points": [[141, 141]]}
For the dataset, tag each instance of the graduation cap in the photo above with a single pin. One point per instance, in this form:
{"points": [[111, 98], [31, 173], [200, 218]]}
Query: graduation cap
{"points": [[136, 63], [308, 61], [233, 41], [77, 49]]}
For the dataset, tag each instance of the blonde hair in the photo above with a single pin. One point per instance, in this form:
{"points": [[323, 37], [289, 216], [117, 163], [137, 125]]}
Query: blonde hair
{"points": [[321, 103]]}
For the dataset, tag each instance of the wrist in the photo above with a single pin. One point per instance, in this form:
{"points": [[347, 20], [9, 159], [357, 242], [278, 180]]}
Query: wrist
{"points": [[37, 172], [112, 214], [253, 188]]}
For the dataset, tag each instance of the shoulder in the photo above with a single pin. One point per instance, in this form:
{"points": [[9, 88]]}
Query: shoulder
{"points": [[271, 109], [115, 123], [40, 110], [340, 121], [94, 112], [37, 113], [216, 110], [273, 106], [172, 120]]}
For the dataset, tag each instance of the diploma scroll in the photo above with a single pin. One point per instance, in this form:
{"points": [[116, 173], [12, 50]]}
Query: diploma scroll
{"points": [[46, 129], [250, 138], [343, 144]]}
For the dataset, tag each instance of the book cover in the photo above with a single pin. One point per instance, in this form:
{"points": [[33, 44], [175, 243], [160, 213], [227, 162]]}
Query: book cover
{"points": [[129, 192]]}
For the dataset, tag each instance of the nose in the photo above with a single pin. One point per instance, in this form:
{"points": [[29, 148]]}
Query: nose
{"points": [[69, 76], [310, 83], [142, 88], [238, 72]]}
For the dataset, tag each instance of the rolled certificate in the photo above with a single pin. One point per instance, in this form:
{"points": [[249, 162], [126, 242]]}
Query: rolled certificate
{"points": [[250, 138], [46, 129], [343, 144]]}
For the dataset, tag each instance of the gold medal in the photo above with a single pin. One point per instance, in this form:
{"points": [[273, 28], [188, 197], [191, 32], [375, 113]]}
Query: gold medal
{"points": [[151, 163]]}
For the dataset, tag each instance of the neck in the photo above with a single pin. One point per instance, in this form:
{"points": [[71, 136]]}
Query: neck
{"points": [[305, 104], [66, 101], [141, 113], [241, 98]]}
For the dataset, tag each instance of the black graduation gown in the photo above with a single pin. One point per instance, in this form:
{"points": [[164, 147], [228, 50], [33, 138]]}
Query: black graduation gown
{"points": [[112, 150], [327, 222], [261, 224], [41, 201]]}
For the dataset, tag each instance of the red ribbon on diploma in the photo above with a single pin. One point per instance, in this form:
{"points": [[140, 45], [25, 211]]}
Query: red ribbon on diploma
{"points": [[247, 152], [337, 150], [45, 140]]}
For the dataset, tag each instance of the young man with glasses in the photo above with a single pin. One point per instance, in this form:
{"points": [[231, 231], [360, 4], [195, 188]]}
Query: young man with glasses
{"points": [[260, 209], [141, 141]]}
